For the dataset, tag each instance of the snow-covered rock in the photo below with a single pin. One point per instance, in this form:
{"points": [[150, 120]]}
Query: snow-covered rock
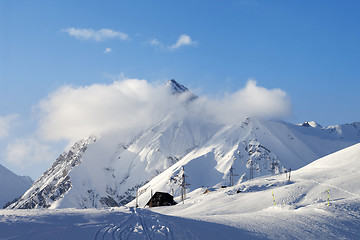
{"points": [[175, 87], [55, 182]]}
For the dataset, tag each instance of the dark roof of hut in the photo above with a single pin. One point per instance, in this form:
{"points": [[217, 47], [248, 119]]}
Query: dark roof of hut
{"points": [[161, 199]]}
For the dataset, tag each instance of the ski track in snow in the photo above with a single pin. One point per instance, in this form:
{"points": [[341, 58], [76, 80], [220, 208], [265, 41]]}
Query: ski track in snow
{"points": [[137, 226], [111, 229], [332, 186]]}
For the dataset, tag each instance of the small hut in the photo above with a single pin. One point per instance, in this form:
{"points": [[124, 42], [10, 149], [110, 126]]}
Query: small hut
{"points": [[161, 199]]}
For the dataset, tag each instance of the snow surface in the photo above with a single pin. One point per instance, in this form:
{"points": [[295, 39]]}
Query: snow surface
{"points": [[245, 211]]}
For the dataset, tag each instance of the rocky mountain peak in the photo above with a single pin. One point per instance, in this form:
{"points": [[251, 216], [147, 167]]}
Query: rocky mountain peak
{"points": [[176, 88]]}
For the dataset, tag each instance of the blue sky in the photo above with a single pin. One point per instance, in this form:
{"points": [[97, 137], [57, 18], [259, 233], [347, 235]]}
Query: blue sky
{"points": [[309, 49]]}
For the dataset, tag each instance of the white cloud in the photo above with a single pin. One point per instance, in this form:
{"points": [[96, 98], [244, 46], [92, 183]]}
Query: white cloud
{"points": [[77, 112], [6, 123], [27, 151], [250, 101], [108, 50], [100, 35], [183, 40], [132, 105]]}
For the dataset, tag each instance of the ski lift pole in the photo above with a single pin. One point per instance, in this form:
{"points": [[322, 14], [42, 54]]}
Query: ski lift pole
{"points": [[183, 185], [137, 198], [289, 174], [232, 176]]}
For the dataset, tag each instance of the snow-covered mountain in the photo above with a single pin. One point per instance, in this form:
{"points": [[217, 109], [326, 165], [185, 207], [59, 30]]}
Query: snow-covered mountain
{"points": [[12, 186], [250, 149], [105, 171]]}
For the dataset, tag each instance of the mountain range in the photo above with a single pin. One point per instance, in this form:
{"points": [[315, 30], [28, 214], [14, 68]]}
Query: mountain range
{"points": [[103, 171]]}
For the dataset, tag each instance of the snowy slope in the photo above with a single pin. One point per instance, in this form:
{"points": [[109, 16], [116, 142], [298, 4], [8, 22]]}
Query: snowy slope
{"points": [[125, 167], [11, 185], [301, 210], [339, 172], [251, 148]]}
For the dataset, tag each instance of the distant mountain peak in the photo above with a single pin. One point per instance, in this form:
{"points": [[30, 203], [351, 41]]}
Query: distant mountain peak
{"points": [[176, 87], [310, 124], [12, 186]]}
